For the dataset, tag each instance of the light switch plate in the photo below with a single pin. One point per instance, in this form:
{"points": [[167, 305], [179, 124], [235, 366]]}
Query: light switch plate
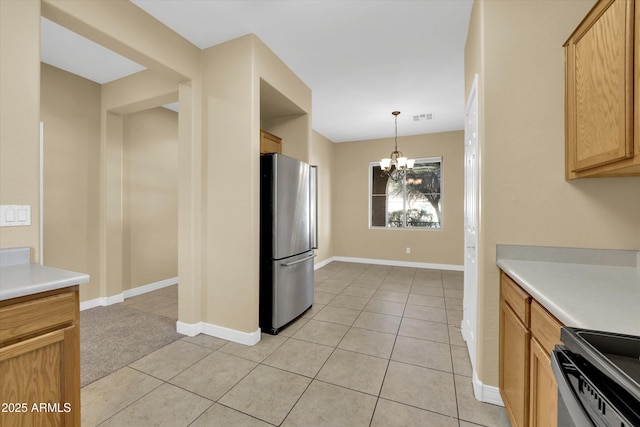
{"points": [[15, 215]]}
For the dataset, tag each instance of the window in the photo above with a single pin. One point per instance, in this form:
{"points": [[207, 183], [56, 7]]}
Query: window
{"points": [[412, 202]]}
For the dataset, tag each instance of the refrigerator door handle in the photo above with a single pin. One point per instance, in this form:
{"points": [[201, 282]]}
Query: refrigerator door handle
{"points": [[313, 208], [287, 264]]}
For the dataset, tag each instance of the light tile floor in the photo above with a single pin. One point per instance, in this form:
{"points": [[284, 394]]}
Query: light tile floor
{"points": [[380, 347]]}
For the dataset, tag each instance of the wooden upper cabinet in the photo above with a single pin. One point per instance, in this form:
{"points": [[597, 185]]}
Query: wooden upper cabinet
{"points": [[599, 98], [269, 143]]}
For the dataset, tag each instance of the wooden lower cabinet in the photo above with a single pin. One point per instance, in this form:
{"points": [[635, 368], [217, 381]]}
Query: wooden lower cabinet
{"points": [[40, 360], [528, 334], [543, 396], [514, 365]]}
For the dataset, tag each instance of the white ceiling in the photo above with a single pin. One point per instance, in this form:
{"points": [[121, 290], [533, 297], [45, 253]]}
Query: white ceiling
{"points": [[361, 59]]}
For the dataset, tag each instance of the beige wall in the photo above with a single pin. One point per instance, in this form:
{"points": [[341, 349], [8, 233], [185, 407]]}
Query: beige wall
{"points": [[231, 105], [321, 155], [217, 283], [230, 298], [293, 130], [70, 111], [352, 236], [173, 64], [218, 264], [19, 118], [150, 197], [517, 49]]}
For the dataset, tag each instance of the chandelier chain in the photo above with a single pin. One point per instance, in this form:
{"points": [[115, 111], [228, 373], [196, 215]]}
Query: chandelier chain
{"points": [[396, 165]]}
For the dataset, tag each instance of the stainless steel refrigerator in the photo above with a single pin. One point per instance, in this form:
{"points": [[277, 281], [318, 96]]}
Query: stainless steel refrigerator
{"points": [[288, 237]]}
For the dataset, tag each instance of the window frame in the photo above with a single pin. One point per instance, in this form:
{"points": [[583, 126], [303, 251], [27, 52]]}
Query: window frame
{"points": [[432, 159]]}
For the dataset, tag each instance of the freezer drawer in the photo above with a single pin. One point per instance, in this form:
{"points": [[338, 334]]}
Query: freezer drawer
{"points": [[289, 294]]}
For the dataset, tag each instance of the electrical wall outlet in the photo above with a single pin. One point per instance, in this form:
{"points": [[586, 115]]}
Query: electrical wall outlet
{"points": [[408, 250]]}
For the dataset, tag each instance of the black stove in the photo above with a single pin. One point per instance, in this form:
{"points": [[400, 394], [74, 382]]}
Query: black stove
{"points": [[598, 376]]}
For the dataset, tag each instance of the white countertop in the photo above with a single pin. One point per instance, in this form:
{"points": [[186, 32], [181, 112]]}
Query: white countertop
{"points": [[600, 297], [27, 278]]}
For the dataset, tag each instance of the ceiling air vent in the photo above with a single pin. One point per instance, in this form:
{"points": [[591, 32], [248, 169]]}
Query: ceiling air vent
{"points": [[424, 117]]}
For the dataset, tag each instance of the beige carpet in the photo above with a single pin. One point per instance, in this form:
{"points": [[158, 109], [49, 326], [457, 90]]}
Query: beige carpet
{"points": [[113, 337]]}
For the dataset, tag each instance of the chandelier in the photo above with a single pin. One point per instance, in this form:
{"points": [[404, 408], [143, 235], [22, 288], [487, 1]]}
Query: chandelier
{"points": [[396, 165]]}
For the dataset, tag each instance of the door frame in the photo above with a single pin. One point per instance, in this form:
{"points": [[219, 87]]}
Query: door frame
{"points": [[469, 324]]}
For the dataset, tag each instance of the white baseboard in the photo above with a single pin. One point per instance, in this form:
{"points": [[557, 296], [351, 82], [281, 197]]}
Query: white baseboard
{"points": [[101, 302], [451, 267], [193, 329], [323, 263], [486, 393], [150, 287], [104, 301]]}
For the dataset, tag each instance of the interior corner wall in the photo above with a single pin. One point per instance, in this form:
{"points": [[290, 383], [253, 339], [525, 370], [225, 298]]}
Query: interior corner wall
{"points": [[321, 155], [70, 111], [352, 236], [20, 119], [295, 130], [150, 197], [111, 225], [524, 197]]}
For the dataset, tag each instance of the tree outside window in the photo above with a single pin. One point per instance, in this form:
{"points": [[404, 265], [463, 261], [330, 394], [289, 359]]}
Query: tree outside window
{"points": [[415, 201]]}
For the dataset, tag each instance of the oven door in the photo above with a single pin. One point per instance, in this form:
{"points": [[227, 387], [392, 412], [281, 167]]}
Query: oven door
{"points": [[571, 413], [586, 397]]}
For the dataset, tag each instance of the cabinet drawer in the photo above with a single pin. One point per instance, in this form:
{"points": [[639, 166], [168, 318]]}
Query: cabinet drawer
{"points": [[516, 297], [544, 327], [30, 316]]}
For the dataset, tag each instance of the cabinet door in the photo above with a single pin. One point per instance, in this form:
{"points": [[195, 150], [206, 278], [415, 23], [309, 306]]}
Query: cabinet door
{"points": [[514, 365], [599, 87], [39, 382], [543, 401], [270, 143]]}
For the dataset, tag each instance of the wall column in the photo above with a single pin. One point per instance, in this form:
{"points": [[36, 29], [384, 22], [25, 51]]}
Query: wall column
{"points": [[190, 209], [20, 118], [111, 205]]}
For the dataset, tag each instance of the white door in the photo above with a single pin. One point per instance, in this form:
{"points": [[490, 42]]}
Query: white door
{"points": [[471, 178]]}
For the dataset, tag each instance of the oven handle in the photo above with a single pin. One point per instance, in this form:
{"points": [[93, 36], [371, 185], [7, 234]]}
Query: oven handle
{"points": [[565, 390]]}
